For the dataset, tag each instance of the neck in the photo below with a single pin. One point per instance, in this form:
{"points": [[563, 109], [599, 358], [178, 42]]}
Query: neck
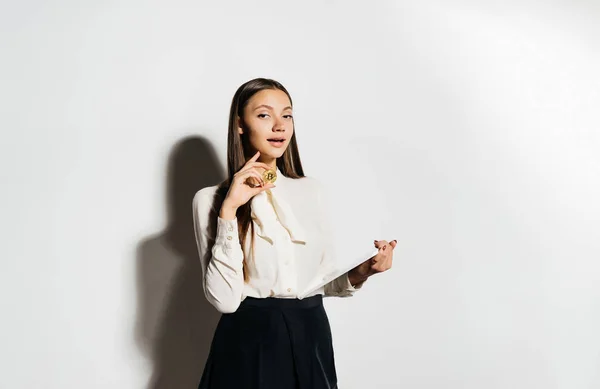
{"points": [[272, 162]]}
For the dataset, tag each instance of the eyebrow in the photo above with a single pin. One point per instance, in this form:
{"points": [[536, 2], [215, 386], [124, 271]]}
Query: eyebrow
{"points": [[269, 107]]}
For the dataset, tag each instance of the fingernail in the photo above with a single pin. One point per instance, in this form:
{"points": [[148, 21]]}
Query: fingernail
{"points": [[384, 247]]}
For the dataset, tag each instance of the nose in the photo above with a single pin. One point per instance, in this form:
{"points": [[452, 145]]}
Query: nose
{"points": [[278, 126]]}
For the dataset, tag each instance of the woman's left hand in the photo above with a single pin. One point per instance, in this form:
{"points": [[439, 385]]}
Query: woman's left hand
{"points": [[379, 263]]}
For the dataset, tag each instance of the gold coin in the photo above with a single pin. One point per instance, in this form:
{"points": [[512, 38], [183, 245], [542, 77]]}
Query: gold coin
{"points": [[270, 175]]}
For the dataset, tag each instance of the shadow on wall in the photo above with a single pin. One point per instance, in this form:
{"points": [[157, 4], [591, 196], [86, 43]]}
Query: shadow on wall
{"points": [[175, 323]]}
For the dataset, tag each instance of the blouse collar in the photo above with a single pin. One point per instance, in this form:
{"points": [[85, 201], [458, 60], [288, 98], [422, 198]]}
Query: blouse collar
{"points": [[271, 204]]}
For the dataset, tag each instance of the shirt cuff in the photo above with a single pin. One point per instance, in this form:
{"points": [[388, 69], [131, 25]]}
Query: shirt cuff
{"points": [[350, 287], [227, 233], [342, 287]]}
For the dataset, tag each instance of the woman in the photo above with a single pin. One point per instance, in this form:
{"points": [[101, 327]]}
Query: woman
{"points": [[260, 243]]}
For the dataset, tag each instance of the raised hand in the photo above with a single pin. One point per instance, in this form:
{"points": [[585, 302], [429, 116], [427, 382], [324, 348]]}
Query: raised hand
{"points": [[246, 183], [380, 262]]}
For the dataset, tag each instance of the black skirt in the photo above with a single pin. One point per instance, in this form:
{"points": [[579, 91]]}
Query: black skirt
{"points": [[272, 343]]}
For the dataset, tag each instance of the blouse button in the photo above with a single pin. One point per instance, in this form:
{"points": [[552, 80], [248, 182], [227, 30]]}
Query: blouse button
{"points": [[229, 228], [229, 237], [289, 289]]}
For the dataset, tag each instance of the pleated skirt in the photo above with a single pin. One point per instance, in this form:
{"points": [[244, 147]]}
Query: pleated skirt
{"points": [[272, 343]]}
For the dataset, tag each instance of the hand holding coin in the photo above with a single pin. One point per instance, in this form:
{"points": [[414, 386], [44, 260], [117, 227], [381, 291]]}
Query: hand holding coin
{"points": [[270, 176], [253, 178]]}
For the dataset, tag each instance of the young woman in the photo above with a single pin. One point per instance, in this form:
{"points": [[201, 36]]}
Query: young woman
{"points": [[263, 235]]}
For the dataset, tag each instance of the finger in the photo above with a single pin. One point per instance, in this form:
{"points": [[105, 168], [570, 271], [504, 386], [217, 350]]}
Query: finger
{"points": [[381, 254], [255, 166], [379, 266], [251, 165], [244, 176], [386, 261], [250, 161], [386, 250], [380, 243], [253, 182], [254, 157], [250, 170], [393, 243], [263, 188]]}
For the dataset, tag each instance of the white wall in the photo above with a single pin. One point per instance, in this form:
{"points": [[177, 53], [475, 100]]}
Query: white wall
{"points": [[471, 129]]}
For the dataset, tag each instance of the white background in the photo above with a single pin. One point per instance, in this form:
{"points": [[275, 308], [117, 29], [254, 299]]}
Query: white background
{"points": [[469, 131]]}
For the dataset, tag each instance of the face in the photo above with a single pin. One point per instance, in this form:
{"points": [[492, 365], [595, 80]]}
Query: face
{"points": [[269, 123]]}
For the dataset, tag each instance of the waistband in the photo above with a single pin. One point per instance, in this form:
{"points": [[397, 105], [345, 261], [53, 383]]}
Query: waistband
{"points": [[287, 303]]}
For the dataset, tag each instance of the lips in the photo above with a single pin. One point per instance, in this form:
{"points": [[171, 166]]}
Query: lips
{"points": [[276, 142]]}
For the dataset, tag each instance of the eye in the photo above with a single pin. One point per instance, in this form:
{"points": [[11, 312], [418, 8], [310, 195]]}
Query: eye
{"points": [[289, 116], [262, 115]]}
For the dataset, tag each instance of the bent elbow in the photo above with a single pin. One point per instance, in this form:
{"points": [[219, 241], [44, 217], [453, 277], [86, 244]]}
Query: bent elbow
{"points": [[226, 306]]}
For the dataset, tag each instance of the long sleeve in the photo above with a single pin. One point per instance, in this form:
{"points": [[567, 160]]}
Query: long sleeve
{"points": [[341, 286], [221, 260]]}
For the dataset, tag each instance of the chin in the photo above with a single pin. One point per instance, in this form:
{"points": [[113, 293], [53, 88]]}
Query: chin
{"points": [[273, 153]]}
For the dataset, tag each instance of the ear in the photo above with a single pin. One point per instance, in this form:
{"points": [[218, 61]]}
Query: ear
{"points": [[237, 124]]}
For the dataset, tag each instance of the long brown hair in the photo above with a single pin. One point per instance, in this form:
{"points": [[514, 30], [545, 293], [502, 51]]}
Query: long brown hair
{"points": [[238, 150]]}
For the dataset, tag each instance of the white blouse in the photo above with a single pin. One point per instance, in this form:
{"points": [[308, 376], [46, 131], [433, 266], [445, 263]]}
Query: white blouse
{"points": [[292, 245]]}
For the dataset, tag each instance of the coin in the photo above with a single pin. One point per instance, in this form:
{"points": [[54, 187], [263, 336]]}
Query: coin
{"points": [[270, 175]]}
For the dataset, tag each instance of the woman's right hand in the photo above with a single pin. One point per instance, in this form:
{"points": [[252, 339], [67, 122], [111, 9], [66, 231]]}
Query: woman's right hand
{"points": [[247, 183]]}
